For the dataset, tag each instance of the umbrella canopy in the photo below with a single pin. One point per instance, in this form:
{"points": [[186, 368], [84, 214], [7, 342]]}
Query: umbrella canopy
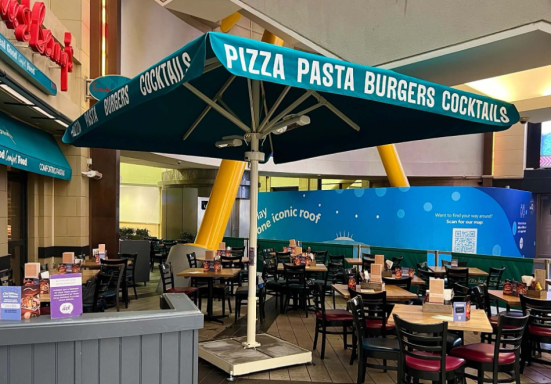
{"points": [[202, 93]]}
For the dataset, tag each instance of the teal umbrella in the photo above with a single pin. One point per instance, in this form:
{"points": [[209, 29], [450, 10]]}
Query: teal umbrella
{"points": [[227, 97]]}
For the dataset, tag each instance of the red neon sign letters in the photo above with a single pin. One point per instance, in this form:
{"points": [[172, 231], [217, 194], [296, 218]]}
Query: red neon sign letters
{"points": [[27, 26]]}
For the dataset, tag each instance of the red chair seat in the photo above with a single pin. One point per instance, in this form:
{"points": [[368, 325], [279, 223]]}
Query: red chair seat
{"points": [[186, 290], [378, 324], [336, 315], [539, 331], [482, 353], [452, 363]]}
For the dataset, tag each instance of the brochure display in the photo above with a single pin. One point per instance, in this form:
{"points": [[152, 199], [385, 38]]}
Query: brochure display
{"points": [[10, 303]]}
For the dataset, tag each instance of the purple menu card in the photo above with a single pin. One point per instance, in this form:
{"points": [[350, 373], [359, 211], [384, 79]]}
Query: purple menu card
{"points": [[66, 295]]}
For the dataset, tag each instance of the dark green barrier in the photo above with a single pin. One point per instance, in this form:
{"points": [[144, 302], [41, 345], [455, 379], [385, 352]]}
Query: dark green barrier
{"points": [[234, 242], [411, 256]]}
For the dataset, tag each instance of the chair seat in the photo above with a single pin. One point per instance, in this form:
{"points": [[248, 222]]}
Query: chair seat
{"points": [[378, 324], [381, 344], [482, 353], [453, 341], [275, 285], [539, 331], [452, 363], [244, 291], [186, 290], [336, 315]]}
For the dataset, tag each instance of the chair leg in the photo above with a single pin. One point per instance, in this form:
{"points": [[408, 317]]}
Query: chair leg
{"points": [[517, 372], [316, 332], [323, 337], [223, 305], [229, 303], [361, 369], [480, 376], [135, 292], [354, 345], [344, 335], [237, 308], [334, 307]]}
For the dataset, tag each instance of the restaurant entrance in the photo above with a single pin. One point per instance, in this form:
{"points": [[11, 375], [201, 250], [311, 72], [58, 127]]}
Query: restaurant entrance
{"points": [[17, 222]]}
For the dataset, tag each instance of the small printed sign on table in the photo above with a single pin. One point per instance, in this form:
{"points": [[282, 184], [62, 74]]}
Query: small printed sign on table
{"points": [[10, 303], [66, 295]]}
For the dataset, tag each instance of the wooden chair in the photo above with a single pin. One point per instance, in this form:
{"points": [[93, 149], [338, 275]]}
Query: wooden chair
{"points": [[494, 277], [368, 347], [320, 256], [130, 267], [328, 318], [423, 353], [502, 357], [295, 286], [102, 281], [167, 279], [538, 332], [457, 276]]}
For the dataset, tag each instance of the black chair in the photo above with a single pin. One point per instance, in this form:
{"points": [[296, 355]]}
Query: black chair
{"points": [[97, 304], [422, 267], [6, 277], [397, 262], [130, 267], [422, 289], [404, 282], [242, 297], [461, 293], [494, 278], [283, 258], [503, 356], [320, 256], [460, 264], [118, 281], [331, 277], [295, 286], [538, 332], [274, 285], [238, 251], [368, 347], [167, 280], [333, 318], [376, 317], [457, 276], [367, 262], [157, 253], [338, 259], [423, 353], [233, 262], [268, 253]]}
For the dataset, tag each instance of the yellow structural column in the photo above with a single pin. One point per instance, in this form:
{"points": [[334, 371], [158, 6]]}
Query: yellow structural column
{"points": [[220, 204], [393, 166]]}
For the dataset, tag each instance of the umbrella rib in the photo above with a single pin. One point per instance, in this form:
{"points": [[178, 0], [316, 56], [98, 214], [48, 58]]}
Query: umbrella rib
{"points": [[336, 111], [295, 104], [216, 98], [217, 108], [274, 107]]}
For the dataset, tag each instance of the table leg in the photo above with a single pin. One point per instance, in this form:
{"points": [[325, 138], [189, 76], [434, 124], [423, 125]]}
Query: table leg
{"points": [[210, 316]]}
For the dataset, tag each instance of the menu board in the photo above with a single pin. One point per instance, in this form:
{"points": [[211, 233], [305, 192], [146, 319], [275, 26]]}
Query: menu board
{"points": [[30, 298], [66, 295], [10, 303], [376, 271], [436, 290], [380, 259]]}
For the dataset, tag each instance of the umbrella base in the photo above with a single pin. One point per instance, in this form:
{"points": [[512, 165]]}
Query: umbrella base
{"points": [[230, 356]]}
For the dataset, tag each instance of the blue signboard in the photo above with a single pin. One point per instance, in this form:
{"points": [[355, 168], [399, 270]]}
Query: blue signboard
{"points": [[492, 221], [100, 87], [21, 64]]}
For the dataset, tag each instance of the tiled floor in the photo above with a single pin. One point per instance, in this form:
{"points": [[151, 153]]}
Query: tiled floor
{"points": [[296, 328]]}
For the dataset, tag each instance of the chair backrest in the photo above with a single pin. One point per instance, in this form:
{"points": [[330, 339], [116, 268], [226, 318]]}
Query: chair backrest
{"points": [[192, 260], [320, 256], [423, 341], [403, 282], [482, 298], [375, 307], [295, 274], [167, 277], [130, 257], [397, 261], [422, 267], [318, 295], [510, 330], [457, 276], [283, 257], [462, 264], [446, 263], [424, 275], [331, 275], [117, 268], [269, 270], [494, 277], [169, 242], [461, 293], [367, 261], [232, 261], [355, 305], [539, 311], [267, 253], [238, 251], [6, 277], [337, 259], [102, 286]]}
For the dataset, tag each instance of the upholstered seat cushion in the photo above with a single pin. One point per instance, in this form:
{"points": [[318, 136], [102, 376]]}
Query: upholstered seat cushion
{"points": [[186, 290], [482, 353], [452, 363], [539, 331], [336, 315], [378, 324], [381, 344]]}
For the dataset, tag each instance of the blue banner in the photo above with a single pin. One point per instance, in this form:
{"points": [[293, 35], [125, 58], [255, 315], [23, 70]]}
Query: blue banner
{"points": [[491, 221]]}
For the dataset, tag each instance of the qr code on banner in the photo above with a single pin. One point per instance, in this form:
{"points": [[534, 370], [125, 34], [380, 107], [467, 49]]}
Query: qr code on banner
{"points": [[464, 240]]}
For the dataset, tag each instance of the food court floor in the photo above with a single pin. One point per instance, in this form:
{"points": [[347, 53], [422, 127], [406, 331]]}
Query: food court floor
{"points": [[296, 328]]}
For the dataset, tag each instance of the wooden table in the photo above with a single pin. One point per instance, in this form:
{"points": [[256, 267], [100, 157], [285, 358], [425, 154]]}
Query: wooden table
{"points": [[312, 268], [87, 275], [473, 272], [393, 292], [356, 260], [225, 273], [244, 260], [414, 313], [91, 264]]}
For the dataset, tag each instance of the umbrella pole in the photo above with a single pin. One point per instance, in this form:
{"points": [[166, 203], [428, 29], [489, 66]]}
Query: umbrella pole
{"points": [[253, 157]]}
